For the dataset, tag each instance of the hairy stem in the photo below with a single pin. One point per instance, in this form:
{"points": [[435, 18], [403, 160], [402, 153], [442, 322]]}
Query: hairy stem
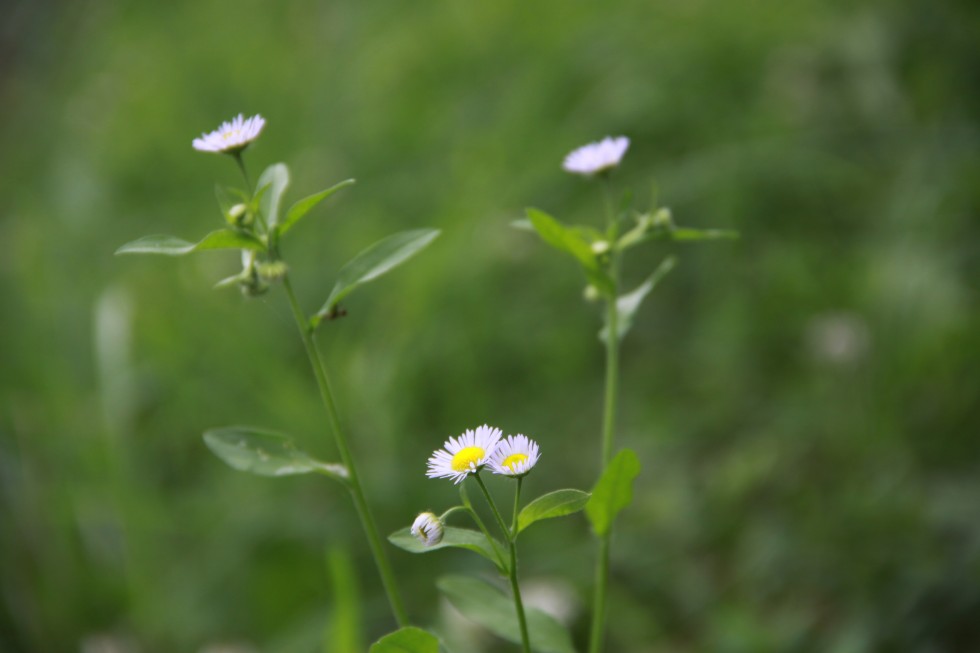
{"points": [[357, 492]]}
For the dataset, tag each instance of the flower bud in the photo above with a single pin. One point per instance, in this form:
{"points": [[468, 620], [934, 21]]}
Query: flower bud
{"points": [[272, 270], [427, 529], [591, 293], [239, 215], [663, 218], [600, 247]]}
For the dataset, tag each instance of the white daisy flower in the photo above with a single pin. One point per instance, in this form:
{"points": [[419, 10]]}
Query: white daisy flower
{"points": [[591, 159], [427, 529], [514, 456], [464, 455], [231, 137]]}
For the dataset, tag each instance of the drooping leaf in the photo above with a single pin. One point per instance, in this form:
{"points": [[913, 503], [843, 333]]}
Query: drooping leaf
{"points": [[173, 246], [376, 260], [462, 538], [494, 610], [266, 453], [277, 178], [407, 640], [628, 304], [572, 241], [613, 491], [554, 504], [299, 210]]}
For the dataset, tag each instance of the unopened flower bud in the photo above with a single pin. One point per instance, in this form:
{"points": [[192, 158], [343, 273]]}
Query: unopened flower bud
{"points": [[663, 218], [238, 215], [272, 270], [600, 247], [591, 293], [427, 529]]}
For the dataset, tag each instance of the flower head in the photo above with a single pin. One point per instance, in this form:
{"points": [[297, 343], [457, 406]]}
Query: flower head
{"points": [[591, 159], [464, 455], [232, 136], [514, 456], [427, 528]]}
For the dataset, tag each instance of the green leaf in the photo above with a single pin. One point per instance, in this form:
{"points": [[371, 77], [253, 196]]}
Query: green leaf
{"points": [[613, 491], [702, 234], [494, 610], [302, 207], [376, 260], [554, 504], [172, 246], [572, 241], [407, 640], [277, 177], [462, 538], [266, 453], [628, 304]]}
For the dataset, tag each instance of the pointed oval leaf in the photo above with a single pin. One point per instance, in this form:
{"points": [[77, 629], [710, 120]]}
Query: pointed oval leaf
{"points": [[613, 491], [628, 304], [571, 240], [266, 453], [376, 260], [461, 538], [299, 210], [488, 606], [276, 177], [173, 246], [407, 640], [554, 504]]}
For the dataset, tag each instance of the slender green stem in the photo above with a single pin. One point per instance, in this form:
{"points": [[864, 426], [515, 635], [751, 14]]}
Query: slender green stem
{"points": [[482, 527], [241, 166], [357, 492], [518, 603], [493, 507], [599, 599], [517, 507], [512, 571], [608, 431]]}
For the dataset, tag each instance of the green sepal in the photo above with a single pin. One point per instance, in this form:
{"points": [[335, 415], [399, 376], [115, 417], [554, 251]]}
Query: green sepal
{"points": [[299, 210], [613, 491], [373, 262], [173, 246], [628, 304], [460, 538], [488, 606], [407, 640], [266, 453], [554, 504]]}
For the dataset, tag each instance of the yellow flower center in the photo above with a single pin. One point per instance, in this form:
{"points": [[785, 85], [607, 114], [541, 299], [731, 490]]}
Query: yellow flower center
{"points": [[466, 457], [513, 460]]}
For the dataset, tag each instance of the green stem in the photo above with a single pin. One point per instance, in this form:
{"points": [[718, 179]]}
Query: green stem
{"points": [[518, 603], [241, 166], [608, 431], [517, 505], [482, 527], [512, 572], [357, 492]]}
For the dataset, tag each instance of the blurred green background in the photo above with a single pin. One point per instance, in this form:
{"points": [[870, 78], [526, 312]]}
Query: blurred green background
{"points": [[804, 400]]}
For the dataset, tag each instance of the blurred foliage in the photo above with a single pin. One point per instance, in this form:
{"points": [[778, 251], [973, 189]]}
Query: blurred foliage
{"points": [[803, 401]]}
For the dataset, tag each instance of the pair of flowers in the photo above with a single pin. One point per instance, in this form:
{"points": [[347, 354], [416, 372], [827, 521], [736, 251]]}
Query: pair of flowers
{"points": [[476, 448], [589, 160]]}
